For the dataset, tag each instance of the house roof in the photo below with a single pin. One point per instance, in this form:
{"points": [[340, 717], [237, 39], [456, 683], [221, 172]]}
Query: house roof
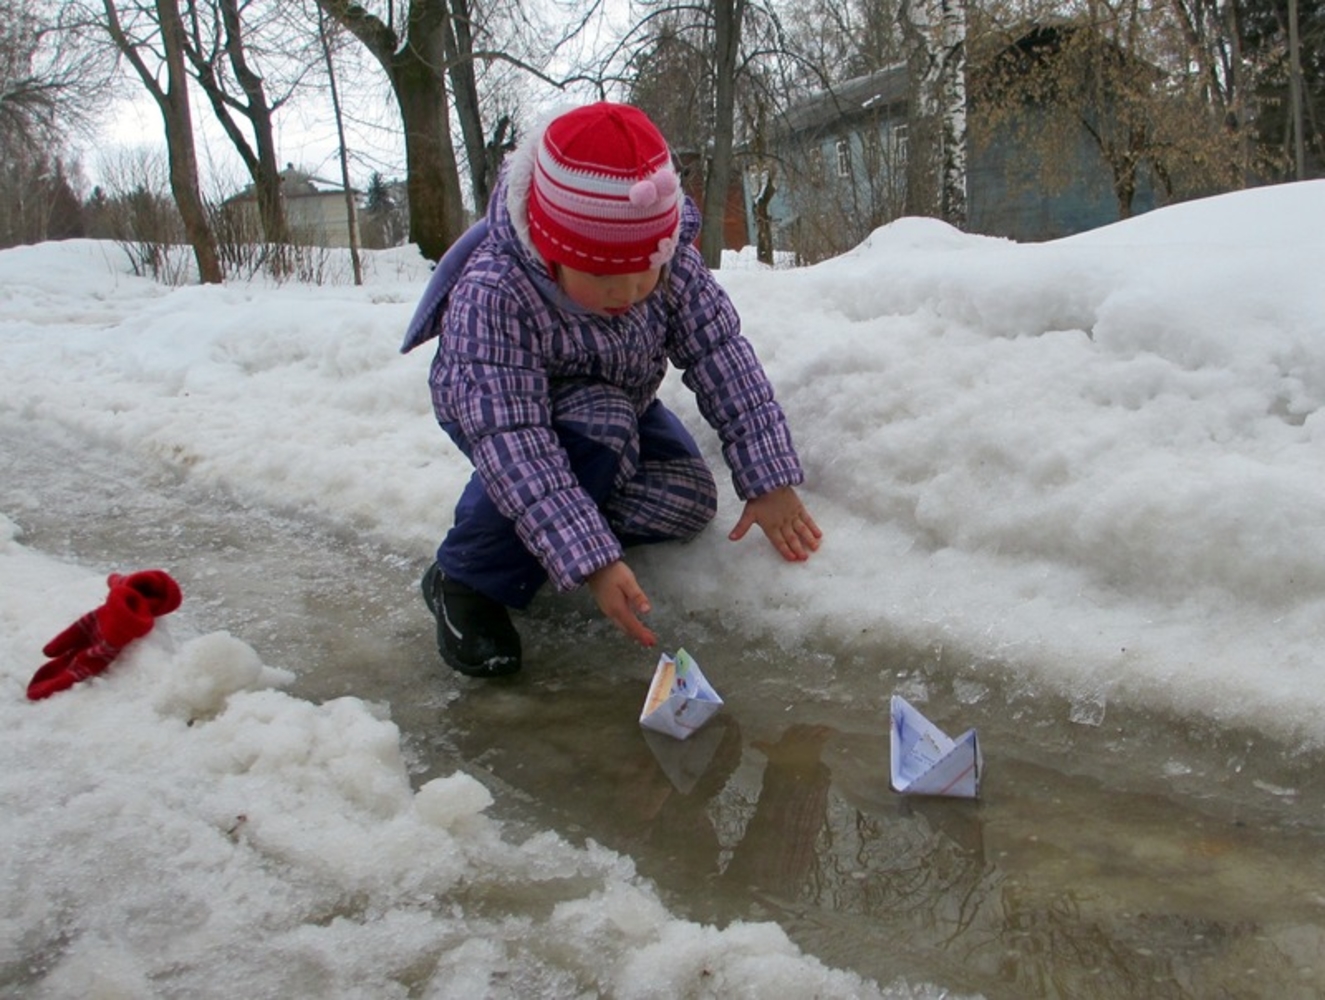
{"points": [[300, 184], [848, 100], [297, 184]]}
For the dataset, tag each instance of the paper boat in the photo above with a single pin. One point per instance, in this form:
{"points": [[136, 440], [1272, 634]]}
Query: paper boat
{"points": [[680, 700], [925, 761]]}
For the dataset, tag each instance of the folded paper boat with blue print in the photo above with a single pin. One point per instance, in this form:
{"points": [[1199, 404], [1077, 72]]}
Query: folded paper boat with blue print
{"points": [[680, 699], [926, 761]]}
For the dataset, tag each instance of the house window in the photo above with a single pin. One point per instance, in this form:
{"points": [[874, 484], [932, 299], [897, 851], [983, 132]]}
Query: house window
{"points": [[843, 158]]}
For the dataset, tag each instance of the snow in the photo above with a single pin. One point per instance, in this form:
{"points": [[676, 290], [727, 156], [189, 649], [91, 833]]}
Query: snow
{"points": [[1097, 460]]}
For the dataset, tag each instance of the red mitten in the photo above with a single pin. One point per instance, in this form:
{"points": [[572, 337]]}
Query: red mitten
{"points": [[89, 645], [160, 593], [77, 636]]}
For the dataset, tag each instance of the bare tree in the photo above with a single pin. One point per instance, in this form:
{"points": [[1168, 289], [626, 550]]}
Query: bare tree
{"points": [[326, 32], [433, 51], [51, 85], [494, 49], [1109, 79], [837, 40], [459, 40], [1295, 94], [765, 176], [847, 92], [689, 65], [1211, 41], [1285, 79], [413, 56], [134, 207], [217, 45], [952, 109], [153, 40], [728, 22]]}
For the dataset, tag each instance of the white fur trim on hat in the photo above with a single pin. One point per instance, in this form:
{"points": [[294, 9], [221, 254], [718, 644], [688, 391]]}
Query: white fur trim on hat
{"points": [[520, 174]]}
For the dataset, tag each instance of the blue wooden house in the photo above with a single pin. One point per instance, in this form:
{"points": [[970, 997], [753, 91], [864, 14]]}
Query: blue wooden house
{"points": [[837, 165]]}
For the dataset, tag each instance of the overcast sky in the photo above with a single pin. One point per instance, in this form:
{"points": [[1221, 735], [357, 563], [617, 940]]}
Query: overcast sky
{"points": [[305, 128]]}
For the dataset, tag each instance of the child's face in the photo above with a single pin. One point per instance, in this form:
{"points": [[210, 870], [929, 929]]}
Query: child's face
{"points": [[607, 294]]}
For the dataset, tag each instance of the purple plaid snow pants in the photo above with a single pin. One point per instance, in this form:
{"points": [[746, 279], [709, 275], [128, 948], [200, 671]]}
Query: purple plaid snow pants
{"points": [[644, 472]]}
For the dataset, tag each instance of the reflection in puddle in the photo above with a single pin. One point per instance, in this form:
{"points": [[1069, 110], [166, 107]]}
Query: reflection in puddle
{"points": [[1049, 886]]}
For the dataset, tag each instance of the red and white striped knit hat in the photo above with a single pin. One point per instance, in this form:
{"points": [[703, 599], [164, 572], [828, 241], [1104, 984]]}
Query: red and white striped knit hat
{"points": [[603, 197]]}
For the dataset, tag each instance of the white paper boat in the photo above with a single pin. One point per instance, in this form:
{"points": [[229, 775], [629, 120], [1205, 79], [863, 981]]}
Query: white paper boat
{"points": [[925, 761], [680, 699]]}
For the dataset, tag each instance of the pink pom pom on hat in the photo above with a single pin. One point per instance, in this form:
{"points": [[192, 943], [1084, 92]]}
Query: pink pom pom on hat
{"points": [[603, 197]]}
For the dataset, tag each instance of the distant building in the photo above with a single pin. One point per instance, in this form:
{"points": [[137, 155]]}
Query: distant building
{"points": [[315, 209], [837, 165]]}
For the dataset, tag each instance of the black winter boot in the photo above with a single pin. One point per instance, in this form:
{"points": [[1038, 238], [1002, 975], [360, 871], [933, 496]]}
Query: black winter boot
{"points": [[474, 633]]}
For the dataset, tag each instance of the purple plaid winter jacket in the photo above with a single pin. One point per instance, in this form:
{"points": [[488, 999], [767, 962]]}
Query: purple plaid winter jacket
{"points": [[508, 335]]}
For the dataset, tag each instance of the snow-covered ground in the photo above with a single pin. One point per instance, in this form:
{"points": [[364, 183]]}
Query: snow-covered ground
{"points": [[1098, 459]]}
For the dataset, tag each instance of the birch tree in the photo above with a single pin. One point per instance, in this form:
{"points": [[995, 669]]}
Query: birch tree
{"points": [[934, 33]]}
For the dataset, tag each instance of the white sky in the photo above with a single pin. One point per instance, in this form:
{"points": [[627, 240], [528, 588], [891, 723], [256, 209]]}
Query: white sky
{"points": [[305, 137], [1098, 460], [304, 125]]}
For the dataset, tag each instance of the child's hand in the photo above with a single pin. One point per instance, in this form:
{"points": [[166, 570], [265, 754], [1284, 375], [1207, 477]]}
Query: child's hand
{"points": [[620, 598], [785, 521]]}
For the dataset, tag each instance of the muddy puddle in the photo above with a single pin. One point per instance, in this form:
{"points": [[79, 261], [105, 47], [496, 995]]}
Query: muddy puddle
{"points": [[1114, 852]]}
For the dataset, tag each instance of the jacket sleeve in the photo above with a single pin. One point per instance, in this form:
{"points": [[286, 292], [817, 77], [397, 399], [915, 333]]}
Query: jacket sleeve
{"points": [[498, 390], [734, 394]]}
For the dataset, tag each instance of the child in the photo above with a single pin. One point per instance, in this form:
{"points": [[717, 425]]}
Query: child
{"points": [[558, 315]]}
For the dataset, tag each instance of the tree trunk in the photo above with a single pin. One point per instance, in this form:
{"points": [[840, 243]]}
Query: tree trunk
{"points": [[764, 220], [179, 142], [260, 162], [351, 212], [727, 18], [763, 199], [265, 167], [178, 121], [436, 211], [1124, 163], [924, 129], [416, 67], [459, 40], [1295, 94], [1239, 85], [934, 34], [952, 89]]}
